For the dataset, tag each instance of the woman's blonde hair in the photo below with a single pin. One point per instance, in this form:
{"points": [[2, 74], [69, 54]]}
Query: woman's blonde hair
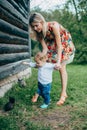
{"points": [[35, 18]]}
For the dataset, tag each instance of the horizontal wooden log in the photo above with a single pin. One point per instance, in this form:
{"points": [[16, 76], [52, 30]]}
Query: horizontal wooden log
{"points": [[16, 6], [11, 29], [5, 49], [10, 58], [6, 5], [23, 9], [5, 15], [10, 39], [24, 3], [11, 69]]}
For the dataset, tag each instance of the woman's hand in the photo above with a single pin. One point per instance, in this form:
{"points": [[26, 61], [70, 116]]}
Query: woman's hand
{"points": [[57, 66]]}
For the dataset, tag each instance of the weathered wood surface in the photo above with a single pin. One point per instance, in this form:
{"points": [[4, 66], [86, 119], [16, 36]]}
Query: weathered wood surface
{"points": [[5, 49], [7, 6], [12, 30], [11, 69], [5, 15], [9, 58], [10, 39], [16, 6], [14, 36]]}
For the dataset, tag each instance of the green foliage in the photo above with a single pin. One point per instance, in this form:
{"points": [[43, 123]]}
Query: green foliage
{"points": [[35, 46], [81, 54], [32, 126], [8, 123]]}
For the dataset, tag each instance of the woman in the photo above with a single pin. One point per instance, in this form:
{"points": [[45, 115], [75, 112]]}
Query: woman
{"points": [[57, 43]]}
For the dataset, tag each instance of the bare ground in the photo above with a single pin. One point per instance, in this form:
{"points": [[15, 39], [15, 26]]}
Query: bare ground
{"points": [[57, 118]]}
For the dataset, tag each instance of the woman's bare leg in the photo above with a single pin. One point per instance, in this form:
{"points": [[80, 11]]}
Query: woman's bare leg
{"points": [[63, 75]]}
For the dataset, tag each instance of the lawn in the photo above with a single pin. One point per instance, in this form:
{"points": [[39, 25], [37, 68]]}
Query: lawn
{"points": [[28, 116]]}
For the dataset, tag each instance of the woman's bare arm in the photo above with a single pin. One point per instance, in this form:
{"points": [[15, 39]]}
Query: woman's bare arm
{"points": [[44, 46]]}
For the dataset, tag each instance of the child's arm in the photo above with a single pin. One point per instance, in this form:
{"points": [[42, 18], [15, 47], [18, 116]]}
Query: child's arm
{"points": [[25, 63], [31, 64]]}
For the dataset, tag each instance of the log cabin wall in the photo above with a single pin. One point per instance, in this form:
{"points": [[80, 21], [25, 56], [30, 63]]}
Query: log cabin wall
{"points": [[14, 39]]}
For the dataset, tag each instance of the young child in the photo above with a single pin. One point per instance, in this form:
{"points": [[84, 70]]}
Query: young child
{"points": [[44, 78]]}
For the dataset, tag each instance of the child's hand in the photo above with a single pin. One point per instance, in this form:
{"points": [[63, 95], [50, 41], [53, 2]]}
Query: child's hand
{"points": [[57, 66], [25, 63]]}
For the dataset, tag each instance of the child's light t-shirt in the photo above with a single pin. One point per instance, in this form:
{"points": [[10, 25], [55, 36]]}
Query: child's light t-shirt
{"points": [[44, 72]]}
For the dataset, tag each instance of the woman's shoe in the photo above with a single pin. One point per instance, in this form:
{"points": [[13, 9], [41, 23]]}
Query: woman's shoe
{"points": [[62, 100]]}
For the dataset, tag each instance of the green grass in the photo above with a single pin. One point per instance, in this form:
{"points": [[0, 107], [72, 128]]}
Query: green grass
{"points": [[28, 116]]}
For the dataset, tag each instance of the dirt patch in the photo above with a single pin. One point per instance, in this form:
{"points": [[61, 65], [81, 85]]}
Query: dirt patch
{"points": [[57, 118]]}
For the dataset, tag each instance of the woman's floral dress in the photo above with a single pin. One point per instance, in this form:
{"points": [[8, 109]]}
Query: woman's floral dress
{"points": [[68, 48]]}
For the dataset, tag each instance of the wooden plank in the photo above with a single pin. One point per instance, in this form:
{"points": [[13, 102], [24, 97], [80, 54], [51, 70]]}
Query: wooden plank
{"points": [[21, 2], [9, 58], [13, 68], [10, 39], [16, 6], [11, 29], [5, 15], [23, 9], [14, 37], [25, 4], [5, 49], [7, 6]]}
